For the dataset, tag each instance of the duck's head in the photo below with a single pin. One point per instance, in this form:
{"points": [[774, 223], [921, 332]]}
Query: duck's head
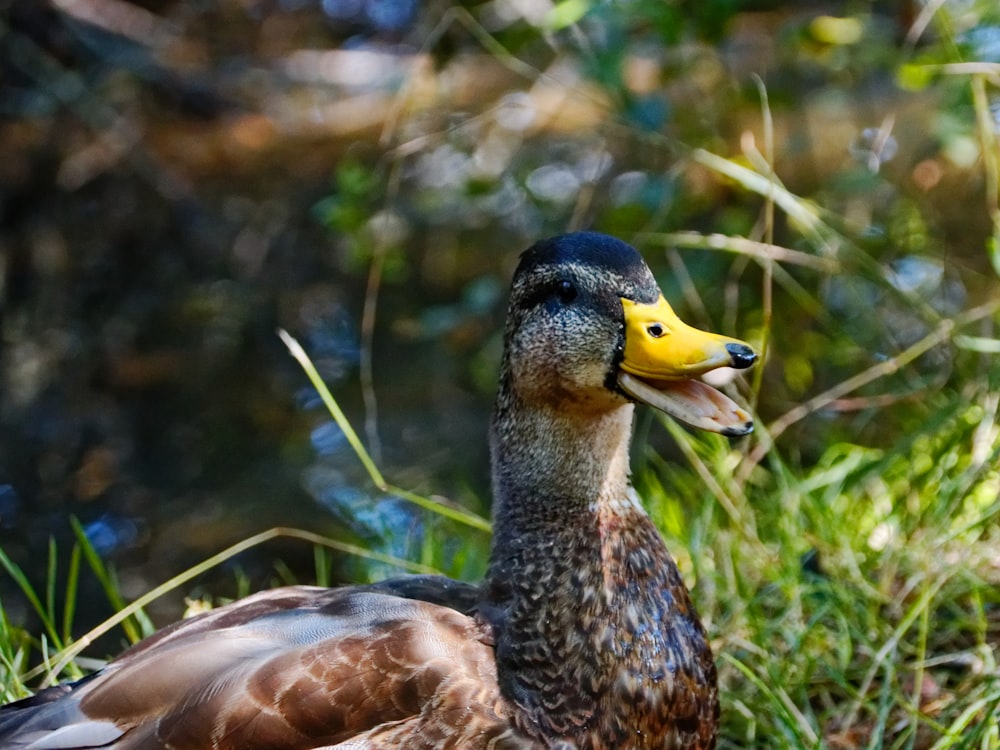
{"points": [[589, 329]]}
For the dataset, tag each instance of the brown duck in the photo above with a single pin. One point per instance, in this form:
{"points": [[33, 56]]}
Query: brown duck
{"points": [[582, 636]]}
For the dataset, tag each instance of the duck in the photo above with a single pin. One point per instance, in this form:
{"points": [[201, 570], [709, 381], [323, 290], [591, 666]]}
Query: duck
{"points": [[582, 635]]}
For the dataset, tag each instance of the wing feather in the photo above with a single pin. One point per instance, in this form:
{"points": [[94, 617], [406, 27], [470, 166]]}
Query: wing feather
{"points": [[292, 668]]}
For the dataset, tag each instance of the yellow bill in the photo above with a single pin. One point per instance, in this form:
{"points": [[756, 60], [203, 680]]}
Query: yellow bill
{"points": [[663, 358]]}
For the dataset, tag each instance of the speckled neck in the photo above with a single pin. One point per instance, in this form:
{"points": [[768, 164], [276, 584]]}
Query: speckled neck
{"points": [[556, 462], [596, 635]]}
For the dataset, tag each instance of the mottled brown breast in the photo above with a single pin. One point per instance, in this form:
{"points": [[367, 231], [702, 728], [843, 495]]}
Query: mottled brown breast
{"points": [[604, 648]]}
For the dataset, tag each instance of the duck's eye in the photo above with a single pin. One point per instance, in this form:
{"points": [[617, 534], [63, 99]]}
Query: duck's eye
{"points": [[566, 291], [656, 330]]}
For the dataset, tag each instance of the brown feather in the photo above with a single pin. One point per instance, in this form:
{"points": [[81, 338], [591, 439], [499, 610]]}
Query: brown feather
{"points": [[320, 667]]}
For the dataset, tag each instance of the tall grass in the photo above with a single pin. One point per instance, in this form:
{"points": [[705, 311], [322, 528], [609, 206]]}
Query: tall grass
{"points": [[855, 602]]}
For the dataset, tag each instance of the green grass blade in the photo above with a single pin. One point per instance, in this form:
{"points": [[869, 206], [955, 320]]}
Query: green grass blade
{"points": [[106, 579], [72, 585], [15, 572], [435, 506], [52, 571]]}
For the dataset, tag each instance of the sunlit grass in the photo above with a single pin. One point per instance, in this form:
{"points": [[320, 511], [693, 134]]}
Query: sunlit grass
{"points": [[853, 600], [861, 607]]}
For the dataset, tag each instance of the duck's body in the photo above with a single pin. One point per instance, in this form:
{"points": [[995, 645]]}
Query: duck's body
{"points": [[598, 641], [582, 636]]}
